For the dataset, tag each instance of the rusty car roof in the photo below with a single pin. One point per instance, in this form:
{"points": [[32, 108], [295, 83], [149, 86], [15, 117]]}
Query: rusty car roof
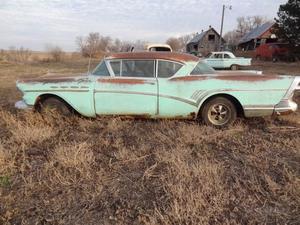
{"points": [[172, 56]]}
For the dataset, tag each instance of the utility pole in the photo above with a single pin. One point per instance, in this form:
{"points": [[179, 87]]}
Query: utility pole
{"points": [[222, 24]]}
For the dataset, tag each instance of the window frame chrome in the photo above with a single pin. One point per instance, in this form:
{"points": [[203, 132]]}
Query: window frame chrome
{"points": [[171, 61], [121, 67]]}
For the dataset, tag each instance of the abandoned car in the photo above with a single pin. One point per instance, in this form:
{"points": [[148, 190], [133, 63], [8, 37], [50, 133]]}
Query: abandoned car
{"points": [[162, 85], [226, 60]]}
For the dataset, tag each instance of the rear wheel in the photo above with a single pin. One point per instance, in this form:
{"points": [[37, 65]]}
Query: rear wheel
{"points": [[55, 105], [234, 67], [219, 112]]}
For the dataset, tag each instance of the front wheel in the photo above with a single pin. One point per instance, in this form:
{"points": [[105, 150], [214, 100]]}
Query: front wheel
{"points": [[55, 105], [219, 112]]}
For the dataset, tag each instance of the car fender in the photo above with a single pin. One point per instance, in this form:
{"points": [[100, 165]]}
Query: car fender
{"points": [[211, 93], [83, 110]]}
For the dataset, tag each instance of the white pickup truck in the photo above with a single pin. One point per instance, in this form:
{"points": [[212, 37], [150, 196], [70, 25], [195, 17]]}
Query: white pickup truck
{"points": [[226, 60]]}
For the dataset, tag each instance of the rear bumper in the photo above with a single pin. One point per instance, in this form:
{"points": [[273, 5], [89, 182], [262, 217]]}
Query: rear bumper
{"points": [[22, 105], [285, 107]]}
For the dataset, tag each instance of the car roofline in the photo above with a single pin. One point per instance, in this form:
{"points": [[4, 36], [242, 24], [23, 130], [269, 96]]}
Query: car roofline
{"points": [[171, 56]]}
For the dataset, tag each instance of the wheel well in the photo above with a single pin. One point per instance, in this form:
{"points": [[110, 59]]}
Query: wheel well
{"points": [[237, 65], [237, 104], [40, 99]]}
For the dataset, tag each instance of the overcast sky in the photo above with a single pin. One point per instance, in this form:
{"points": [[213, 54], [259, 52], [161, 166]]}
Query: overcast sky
{"points": [[34, 23]]}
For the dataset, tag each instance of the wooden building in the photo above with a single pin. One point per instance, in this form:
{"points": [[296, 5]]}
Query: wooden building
{"points": [[205, 42], [260, 35]]}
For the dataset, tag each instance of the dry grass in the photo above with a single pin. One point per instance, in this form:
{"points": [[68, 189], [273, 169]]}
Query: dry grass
{"points": [[57, 170]]}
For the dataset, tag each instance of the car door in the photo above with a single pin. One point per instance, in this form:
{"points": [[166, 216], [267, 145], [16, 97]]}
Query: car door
{"points": [[130, 90], [174, 94], [215, 60], [227, 61]]}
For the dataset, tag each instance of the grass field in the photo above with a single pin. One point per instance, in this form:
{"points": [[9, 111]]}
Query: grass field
{"points": [[56, 170]]}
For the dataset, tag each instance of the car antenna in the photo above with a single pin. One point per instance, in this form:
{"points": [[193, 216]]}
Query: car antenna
{"points": [[89, 65]]}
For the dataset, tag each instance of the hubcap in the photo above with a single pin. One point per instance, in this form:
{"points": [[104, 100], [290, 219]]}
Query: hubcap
{"points": [[219, 114]]}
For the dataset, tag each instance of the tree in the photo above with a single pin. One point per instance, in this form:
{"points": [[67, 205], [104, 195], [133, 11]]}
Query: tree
{"points": [[94, 44], [179, 43], [116, 46], [232, 38], [289, 21], [246, 24], [18, 55], [55, 52], [174, 43]]}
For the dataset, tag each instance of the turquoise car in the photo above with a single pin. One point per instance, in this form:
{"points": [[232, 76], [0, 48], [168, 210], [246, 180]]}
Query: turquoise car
{"points": [[226, 60], [162, 85]]}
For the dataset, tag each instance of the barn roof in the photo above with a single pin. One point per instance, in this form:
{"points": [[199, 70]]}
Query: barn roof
{"points": [[256, 32], [199, 37]]}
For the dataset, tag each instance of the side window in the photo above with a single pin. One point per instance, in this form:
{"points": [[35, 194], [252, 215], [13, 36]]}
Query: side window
{"points": [[138, 68], [101, 70], [167, 69], [226, 56], [116, 67], [217, 56], [202, 68]]}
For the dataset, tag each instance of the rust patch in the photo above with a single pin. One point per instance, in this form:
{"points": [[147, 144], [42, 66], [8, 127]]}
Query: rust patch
{"points": [[286, 113], [192, 115], [179, 57], [189, 78], [47, 80], [142, 116], [247, 77], [122, 81]]}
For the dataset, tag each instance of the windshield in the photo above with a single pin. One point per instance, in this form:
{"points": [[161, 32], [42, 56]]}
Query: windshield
{"points": [[208, 55], [101, 70], [202, 68]]}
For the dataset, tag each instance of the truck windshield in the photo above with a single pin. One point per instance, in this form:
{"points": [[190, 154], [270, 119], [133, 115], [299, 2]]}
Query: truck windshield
{"points": [[202, 68]]}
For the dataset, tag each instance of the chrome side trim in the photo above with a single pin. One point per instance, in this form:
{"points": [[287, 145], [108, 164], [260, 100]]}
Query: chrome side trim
{"points": [[258, 110], [126, 92], [149, 94], [285, 106], [180, 99], [56, 90], [294, 86]]}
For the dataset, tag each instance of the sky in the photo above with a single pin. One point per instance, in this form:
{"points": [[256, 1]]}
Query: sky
{"points": [[35, 23]]}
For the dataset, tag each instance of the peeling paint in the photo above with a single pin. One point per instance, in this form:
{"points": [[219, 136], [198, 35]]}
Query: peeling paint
{"points": [[248, 78], [189, 78], [47, 80]]}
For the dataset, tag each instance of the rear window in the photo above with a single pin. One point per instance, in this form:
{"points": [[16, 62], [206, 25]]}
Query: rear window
{"points": [[203, 68]]}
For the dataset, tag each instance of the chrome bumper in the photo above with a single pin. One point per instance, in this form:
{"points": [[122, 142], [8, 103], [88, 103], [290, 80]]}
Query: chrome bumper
{"points": [[22, 105], [285, 106]]}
